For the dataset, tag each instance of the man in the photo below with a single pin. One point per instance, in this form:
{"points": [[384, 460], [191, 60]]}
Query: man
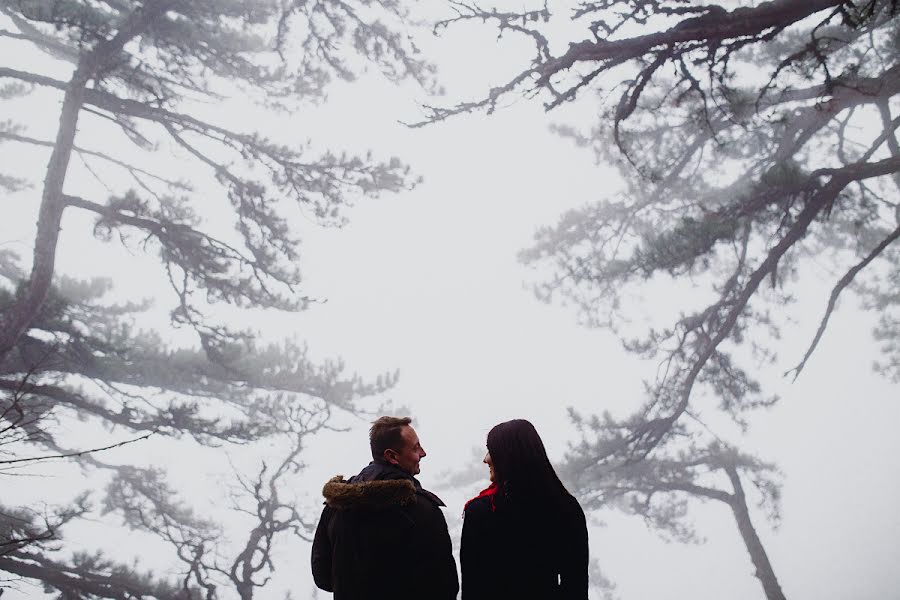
{"points": [[381, 536]]}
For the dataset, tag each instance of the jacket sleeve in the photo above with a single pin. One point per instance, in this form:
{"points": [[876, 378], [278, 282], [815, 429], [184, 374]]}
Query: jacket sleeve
{"points": [[573, 575], [473, 559], [321, 552]]}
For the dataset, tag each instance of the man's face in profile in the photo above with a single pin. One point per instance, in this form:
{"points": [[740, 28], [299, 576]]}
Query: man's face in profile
{"points": [[407, 457]]}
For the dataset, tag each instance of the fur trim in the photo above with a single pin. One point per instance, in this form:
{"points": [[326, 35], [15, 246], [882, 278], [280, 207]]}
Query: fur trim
{"points": [[381, 493]]}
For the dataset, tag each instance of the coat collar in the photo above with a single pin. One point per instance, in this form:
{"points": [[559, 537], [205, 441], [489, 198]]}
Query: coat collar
{"points": [[379, 484], [375, 494]]}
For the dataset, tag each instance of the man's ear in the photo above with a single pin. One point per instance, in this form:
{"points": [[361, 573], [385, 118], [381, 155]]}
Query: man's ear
{"points": [[391, 455]]}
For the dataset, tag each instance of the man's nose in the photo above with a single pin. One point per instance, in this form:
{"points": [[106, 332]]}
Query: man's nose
{"points": [[422, 453]]}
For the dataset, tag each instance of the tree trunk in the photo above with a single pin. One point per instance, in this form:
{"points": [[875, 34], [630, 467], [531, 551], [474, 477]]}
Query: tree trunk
{"points": [[20, 315], [758, 555]]}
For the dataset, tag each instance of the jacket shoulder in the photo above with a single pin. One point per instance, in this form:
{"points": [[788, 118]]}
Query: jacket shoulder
{"points": [[479, 507], [431, 496], [575, 510]]}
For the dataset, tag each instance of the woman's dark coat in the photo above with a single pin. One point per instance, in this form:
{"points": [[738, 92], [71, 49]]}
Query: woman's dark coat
{"points": [[524, 550], [382, 537]]}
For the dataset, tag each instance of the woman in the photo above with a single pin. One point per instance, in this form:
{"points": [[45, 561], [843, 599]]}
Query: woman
{"points": [[525, 536]]}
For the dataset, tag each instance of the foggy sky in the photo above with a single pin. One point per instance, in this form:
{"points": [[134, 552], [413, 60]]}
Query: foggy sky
{"points": [[427, 282]]}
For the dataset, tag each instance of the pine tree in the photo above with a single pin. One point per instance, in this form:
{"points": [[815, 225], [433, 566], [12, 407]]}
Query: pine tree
{"points": [[662, 487], [73, 358], [751, 139]]}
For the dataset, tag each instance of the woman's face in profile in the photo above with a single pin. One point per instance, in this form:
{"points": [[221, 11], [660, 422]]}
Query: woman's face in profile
{"points": [[490, 464]]}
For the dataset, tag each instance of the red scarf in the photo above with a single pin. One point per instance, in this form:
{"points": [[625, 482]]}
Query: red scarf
{"points": [[489, 491]]}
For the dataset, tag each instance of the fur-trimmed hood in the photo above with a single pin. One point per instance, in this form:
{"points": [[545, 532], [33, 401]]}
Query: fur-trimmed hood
{"points": [[377, 494], [374, 521]]}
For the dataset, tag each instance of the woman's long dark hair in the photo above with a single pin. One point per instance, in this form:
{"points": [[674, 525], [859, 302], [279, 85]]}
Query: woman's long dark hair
{"points": [[522, 471]]}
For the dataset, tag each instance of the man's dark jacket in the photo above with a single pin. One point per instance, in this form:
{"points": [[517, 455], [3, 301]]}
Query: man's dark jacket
{"points": [[382, 537]]}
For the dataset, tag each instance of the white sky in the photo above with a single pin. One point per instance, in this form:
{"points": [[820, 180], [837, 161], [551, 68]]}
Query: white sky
{"points": [[427, 282]]}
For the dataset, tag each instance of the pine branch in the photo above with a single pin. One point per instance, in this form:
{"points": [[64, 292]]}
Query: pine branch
{"points": [[78, 453], [694, 490], [111, 159], [48, 44], [710, 29], [646, 436], [842, 283]]}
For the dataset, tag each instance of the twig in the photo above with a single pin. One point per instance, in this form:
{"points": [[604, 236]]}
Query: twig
{"points": [[80, 453]]}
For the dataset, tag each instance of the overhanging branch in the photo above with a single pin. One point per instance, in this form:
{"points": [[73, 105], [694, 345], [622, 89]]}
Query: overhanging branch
{"points": [[649, 434], [111, 159], [842, 283]]}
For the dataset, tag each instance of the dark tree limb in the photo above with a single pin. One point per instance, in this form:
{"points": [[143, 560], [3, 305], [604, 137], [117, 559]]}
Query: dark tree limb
{"points": [[52, 46], [695, 490], [764, 571], [72, 580], [32, 459], [887, 123], [706, 30]]}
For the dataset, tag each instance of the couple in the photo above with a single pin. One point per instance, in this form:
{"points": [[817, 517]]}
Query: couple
{"points": [[383, 537]]}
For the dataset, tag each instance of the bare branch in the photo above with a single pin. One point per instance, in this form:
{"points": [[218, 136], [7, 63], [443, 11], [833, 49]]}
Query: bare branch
{"points": [[78, 453], [842, 283], [128, 167]]}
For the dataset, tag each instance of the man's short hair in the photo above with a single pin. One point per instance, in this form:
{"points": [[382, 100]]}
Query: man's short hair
{"points": [[386, 432]]}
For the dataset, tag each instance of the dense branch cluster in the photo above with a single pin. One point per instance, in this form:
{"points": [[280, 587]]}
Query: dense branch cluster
{"points": [[751, 137], [148, 78], [84, 360], [658, 488]]}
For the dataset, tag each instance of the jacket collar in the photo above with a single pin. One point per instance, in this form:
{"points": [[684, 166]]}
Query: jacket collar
{"points": [[380, 469], [383, 471], [374, 494]]}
